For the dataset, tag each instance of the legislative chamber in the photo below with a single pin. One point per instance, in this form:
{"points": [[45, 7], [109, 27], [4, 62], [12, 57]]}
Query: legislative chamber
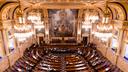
{"points": [[63, 35]]}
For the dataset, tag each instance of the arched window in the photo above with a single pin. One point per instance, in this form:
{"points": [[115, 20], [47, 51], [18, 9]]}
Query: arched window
{"points": [[2, 52], [114, 44], [126, 51]]}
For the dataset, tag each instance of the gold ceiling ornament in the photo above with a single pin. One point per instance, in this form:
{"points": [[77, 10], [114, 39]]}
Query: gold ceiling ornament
{"points": [[106, 14], [19, 12]]}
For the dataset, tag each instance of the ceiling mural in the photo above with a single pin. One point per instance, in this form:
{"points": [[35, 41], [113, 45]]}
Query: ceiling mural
{"points": [[62, 22]]}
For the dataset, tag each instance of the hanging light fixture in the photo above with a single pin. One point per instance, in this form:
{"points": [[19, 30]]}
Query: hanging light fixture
{"points": [[90, 17], [105, 26], [19, 14], [20, 23], [104, 29], [35, 17], [21, 27]]}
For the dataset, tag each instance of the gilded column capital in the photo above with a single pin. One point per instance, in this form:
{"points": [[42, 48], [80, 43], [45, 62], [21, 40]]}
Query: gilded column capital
{"points": [[125, 25], [1, 24]]}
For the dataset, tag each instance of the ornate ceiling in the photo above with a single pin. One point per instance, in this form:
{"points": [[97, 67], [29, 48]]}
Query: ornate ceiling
{"points": [[115, 6]]}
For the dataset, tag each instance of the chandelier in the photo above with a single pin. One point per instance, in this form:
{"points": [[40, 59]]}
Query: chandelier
{"points": [[90, 17], [20, 23], [105, 26], [35, 17], [22, 28]]}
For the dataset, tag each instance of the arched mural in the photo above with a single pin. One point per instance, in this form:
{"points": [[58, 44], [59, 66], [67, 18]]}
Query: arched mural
{"points": [[62, 22]]}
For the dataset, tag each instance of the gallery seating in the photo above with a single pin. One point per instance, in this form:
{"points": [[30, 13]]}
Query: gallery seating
{"points": [[26, 62], [75, 63], [49, 62], [98, 61], [84, 59]]}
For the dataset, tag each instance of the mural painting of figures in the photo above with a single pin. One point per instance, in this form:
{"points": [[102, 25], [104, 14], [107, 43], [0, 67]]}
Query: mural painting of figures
{"points": [[62, 22]]}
